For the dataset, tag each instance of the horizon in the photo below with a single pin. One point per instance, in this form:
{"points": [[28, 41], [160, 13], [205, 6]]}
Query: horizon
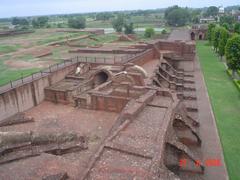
{"points": [[55, 7]]}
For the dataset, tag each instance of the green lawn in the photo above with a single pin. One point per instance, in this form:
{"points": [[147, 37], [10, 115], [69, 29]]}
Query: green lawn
{"points": [[225, 100]]}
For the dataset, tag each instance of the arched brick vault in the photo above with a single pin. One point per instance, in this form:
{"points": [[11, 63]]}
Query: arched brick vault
{"points": [[101, 76], [123, 77]]}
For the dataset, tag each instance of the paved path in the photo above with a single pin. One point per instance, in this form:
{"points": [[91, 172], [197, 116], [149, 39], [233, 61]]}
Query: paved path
{"points": [[211, 145], [180, 34]]}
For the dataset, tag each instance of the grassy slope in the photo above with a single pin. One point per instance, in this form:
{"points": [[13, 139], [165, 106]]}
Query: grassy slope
{"points": [[8, 48], [225, 100]]}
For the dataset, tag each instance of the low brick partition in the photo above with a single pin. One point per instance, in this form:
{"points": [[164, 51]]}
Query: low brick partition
{"points": [[106, 51], [14, 32]]}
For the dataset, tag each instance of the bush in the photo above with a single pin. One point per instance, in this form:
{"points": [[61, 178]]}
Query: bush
{"points": [[229, 72], [164, 31], [149, 32], [237, 83]]}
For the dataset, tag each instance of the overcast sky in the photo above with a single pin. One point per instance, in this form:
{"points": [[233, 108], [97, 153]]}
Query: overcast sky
{"points": [[10, 8]]}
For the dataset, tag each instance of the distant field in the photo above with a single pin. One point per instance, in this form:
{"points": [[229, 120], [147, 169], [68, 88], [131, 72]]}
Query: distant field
{"points": [[7, 74], [20, 55], [39, 37]]}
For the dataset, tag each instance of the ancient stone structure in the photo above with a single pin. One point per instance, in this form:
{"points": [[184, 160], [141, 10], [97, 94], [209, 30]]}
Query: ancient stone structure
{"points": [[152, 94], [199, 32]]}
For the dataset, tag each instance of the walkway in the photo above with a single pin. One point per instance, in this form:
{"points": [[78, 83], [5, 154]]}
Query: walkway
{"points": [[211, 145], [179, 34], [225, 100]]}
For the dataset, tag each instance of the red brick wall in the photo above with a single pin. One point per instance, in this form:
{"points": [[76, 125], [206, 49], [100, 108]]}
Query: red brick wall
{"points": [[28, 95]]}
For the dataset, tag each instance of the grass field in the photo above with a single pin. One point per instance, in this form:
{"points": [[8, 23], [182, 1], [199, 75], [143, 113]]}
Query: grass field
{"points": [[225, 100], [7, 74], [9, 48]]}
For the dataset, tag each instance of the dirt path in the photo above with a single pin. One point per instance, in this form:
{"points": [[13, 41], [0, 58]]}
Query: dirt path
{"points": [[179, 34]]}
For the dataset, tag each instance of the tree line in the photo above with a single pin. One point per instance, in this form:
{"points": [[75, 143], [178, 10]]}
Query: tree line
{"points": [[226, 43]]}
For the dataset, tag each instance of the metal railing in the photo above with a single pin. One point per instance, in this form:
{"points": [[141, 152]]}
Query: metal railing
{"points": [[71, 61]]}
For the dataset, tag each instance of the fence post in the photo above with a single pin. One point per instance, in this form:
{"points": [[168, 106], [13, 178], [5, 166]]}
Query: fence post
{"points": [[11, 84], [32, 76], [50, 69]]}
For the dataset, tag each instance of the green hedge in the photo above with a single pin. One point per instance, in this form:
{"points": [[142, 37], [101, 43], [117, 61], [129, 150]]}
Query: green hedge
{"points": [[238, 71], [229, 72], [236, 82]]}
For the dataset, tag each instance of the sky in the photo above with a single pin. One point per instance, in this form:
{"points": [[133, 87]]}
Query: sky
{"points": [[12, 8]]}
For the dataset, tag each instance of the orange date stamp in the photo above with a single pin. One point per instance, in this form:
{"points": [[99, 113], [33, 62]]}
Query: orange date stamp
{"points": [[207, 163]]}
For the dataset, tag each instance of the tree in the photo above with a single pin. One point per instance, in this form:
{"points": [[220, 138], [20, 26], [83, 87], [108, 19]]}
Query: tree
{"points": [[211, 11], [103, 16], [237, 28], [20, 21], [129, 28], [227, 19], [40, 22], [226, 26], [211, 27], [177, 16], [195, 16], [118, 23], [215, 37], [77, 22], [149, 32], [232, 52], [168, 10], [224, 35]]}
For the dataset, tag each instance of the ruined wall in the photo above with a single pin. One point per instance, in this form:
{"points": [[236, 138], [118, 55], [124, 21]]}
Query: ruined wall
{"points": [[30, 94], [143, 57], [108, 103], [186, 50]]}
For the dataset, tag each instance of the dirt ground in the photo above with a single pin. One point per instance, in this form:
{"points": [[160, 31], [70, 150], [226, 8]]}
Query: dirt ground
{"points": [[49, 117]]}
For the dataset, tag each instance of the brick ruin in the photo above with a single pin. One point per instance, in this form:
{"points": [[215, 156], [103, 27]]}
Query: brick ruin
{"points": [[199, 32], [156, 127]]}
